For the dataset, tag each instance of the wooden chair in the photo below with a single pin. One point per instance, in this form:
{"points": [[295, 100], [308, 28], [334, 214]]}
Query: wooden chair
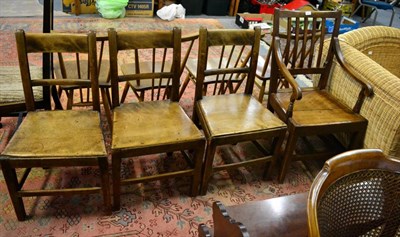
{"points": [[357, 193], [55, 138], [155, 126], [76, 66], [311, 111], [232, 118], [140, 87]]}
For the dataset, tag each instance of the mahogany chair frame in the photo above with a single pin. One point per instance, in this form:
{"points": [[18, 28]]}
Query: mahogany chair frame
{"points": [[156, 126], [355, 166], [233, 118], [30, 146], [311, 111]]}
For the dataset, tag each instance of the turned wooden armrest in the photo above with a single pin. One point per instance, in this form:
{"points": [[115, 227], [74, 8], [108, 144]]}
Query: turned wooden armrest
{"points": [[366, 90], [284, 72]]}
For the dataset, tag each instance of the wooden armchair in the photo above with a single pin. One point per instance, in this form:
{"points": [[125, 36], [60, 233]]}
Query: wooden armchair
{"points": [[311, 112], [158, 125], [232, 118], [140, 87], [357, 193], [59, 138]]}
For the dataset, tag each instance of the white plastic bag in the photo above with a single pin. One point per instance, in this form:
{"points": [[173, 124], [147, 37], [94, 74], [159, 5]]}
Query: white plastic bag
{"points": [[171, 12]]}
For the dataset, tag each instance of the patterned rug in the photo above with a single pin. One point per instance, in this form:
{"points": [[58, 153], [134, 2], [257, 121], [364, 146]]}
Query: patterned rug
{"points": [[156, 209]]}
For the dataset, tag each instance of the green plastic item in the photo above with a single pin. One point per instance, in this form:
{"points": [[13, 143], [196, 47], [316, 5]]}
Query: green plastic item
{"points": [[111, 9]]}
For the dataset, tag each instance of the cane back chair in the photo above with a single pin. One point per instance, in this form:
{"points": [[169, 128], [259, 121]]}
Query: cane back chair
{"points": [[311, 112], [158, 125], [62, 138], [357, 193], [232, 118]]}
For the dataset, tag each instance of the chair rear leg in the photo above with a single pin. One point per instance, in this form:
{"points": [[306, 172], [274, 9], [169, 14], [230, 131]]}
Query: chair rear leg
{"points": [[288, 153], [11, 179]]}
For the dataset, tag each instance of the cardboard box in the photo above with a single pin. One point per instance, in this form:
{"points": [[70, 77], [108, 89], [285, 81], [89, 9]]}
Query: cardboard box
{"points": [[87, 6], [346, 25], [346, 8], [142, 8], [245, 19]]}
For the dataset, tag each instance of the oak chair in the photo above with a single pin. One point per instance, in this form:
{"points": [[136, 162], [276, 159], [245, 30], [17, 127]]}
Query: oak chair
{"points": [[138, 87], [158, 125], [61, 138], [77, 66], [357, 193], [232, 118], [311, 112]]}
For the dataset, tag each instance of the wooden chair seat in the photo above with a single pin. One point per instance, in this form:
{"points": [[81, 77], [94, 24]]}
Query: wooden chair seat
{"points": [[141, 125], [58, 138], [318, 108], [235, 114]]}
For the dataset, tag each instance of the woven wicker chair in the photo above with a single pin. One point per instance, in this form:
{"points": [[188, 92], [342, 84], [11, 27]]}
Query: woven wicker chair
{"points": [[357, 193]]}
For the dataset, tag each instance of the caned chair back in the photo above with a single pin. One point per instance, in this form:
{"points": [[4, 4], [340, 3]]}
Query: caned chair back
{"points": [[357, 193], [30, 43], [162, 78], [223, 56]]}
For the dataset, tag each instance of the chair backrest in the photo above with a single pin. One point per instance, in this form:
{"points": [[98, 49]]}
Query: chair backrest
{"points": [[300, 44], [356, 193], [33, 43], [227, 49], [161, 48]]}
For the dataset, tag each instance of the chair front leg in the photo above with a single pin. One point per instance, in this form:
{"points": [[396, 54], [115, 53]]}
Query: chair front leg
{"points": [[208, 166], [11, 179]]}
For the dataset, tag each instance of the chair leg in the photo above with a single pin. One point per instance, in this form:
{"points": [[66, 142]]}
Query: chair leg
{"points": [[276, 149], [288, 153], [184, 85], [105, 184], [208, 167], [116, 174], [125, 92], [70, 101], [391, 19], [198, 162], [11, 179], [107, 107]]}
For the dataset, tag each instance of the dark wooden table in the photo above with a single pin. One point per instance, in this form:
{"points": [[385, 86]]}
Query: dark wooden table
{"points": [[280, 217]]}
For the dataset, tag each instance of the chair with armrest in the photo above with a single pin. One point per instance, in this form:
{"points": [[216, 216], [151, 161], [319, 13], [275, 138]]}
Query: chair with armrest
{"points": [[62, 138], [311, 112], [375, 5], [157, 125], [138, 87], [232, 118], [357, 193]]}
